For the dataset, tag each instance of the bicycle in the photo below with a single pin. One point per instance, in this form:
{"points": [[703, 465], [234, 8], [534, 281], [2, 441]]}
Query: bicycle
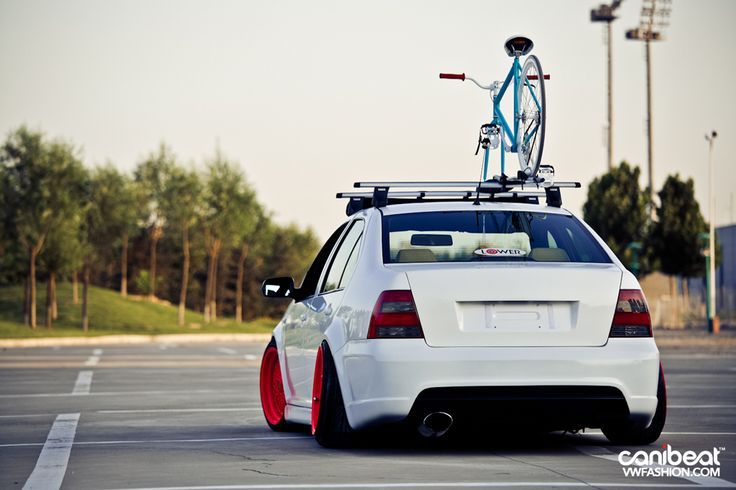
{"points": [[527, 136]]}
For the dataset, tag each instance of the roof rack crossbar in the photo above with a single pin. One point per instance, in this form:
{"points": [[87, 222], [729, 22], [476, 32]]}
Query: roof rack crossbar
{"points": [[409, 194], [489, 185], [467, 183], [437, 194]]}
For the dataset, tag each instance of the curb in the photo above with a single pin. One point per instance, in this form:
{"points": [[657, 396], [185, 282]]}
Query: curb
{"points": [[137, 339]]}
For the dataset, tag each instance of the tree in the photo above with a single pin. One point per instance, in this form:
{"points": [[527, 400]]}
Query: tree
{"points": [[616, 209], [116, 213], [181, 205], [62, 254], [250, 221], [152, 174], [43, 184], [223, 186], [674, 238]]}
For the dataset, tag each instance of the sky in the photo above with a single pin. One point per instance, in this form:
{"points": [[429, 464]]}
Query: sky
{"points": [[309, 97]]}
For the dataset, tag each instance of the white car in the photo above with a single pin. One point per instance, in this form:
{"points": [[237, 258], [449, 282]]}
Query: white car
{"points": [[474, 312]]}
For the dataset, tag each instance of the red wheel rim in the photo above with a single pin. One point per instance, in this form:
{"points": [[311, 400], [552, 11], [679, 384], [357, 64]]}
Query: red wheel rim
{"points": [[273, 400], [317, 388]]}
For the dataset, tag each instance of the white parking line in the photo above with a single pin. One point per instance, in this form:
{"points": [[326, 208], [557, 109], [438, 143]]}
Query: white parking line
{"points": [[51, 465], [166, 410], [701, 406], [603, 453], [227, 351], [449, 484], [118, 393], [94, 359], [26, 415], [83, 384], [699, 433], [250, 357], [163, 441]]}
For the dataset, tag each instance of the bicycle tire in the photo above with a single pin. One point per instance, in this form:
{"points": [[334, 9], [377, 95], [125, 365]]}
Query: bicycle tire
{"points": [[532, 123]]}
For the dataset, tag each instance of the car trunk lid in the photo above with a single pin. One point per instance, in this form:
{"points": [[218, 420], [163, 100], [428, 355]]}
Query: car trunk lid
{"points": [[515, 304]]}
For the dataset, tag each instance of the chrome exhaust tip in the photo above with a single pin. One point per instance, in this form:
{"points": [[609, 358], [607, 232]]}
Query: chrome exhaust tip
{"points": [[435, 424]]}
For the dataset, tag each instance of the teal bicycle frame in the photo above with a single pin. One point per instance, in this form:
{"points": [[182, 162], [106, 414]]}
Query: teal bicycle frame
{"points": [[500, 121]]}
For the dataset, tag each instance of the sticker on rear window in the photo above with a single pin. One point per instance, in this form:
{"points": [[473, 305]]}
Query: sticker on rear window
{"points": [[500, 252]]}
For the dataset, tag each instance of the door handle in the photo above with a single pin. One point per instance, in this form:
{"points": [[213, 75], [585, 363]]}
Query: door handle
{"points": [[303, 317]]}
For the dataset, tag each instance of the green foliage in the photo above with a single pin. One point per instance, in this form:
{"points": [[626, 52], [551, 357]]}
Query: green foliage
{"points": [[152, 175], [674, 237], [616, 209], [79, 219], [43, 184], [112, 314], [142, 282], [224, 200], [114, 209], [63, 251], [181, 198]]}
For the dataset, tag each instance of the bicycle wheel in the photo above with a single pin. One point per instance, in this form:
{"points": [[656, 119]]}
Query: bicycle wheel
{"points": [[532, 112]]}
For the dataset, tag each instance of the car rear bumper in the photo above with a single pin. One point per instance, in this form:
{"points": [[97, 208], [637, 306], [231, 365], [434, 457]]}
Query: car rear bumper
{"points": [[382, 380]]}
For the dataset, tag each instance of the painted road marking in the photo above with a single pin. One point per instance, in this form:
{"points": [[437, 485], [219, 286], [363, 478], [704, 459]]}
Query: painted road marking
{"points": [[24, 415], [51, 465], [250, 357], [603, 453], [597, 431], [166, 410], [83, 384], [701, 406], [94, 359], [163, 441], [225, 350], [118, 393], [449, 484], [256, 407]]}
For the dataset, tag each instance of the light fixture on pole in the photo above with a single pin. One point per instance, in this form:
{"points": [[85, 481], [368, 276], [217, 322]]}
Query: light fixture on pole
{"points": [[713, 323], [605, 13], [654, 14]]}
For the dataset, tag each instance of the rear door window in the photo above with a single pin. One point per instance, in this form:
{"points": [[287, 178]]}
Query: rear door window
{"points": [[345, 258], [467, 236]]}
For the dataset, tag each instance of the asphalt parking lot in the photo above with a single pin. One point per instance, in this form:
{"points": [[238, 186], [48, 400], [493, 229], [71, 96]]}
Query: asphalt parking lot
{"points": [[188, 416]]}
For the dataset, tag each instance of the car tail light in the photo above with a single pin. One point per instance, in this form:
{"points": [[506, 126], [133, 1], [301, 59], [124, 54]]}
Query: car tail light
{"points": [[395, 317], [631, 318]]}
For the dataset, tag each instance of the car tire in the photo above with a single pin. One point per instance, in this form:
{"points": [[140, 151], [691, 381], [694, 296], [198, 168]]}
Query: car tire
{"points": [[330, 425], [630, 433], [273, 400]]}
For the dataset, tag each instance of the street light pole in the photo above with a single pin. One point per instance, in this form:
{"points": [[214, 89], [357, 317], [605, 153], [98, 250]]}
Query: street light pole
{"points": [[654, 13], [605, 13], [650, 151], [713, 324]]}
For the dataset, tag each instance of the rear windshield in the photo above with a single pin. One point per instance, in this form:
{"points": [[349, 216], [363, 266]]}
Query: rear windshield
{"points": [[467, 236]]}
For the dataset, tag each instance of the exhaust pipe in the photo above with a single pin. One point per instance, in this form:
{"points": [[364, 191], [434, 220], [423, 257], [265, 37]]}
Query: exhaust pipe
{"points": [[435, 424]]}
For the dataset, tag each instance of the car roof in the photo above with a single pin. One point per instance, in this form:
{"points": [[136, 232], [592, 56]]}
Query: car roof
{"points": [[434, 206]]}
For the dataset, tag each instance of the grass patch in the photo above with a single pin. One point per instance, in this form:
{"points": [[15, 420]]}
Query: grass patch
{"points": [[109, 313]]}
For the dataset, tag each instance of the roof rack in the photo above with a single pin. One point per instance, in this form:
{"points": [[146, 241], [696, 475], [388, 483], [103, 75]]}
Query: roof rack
{"points": [[501, 189]]}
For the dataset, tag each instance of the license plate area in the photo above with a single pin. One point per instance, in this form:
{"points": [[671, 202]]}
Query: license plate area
{"points": [[516, 316]]}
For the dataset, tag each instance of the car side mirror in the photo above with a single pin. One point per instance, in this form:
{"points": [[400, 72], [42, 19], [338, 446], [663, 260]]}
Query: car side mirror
{"points": [[278, 287]]}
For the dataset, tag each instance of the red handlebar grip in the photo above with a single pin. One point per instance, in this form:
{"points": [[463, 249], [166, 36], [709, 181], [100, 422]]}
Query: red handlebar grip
{"points": [[453, 76]]}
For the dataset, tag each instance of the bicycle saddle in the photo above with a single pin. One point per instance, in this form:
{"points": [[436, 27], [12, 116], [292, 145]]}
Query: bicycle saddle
{"points": [[518, 46]]}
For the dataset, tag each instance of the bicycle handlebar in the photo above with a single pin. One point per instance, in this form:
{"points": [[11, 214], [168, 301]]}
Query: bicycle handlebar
{"points": [[453, 76]]}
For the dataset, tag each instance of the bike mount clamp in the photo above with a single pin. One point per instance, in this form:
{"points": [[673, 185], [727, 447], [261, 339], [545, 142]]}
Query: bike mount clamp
{"points": [[488, 136]]}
